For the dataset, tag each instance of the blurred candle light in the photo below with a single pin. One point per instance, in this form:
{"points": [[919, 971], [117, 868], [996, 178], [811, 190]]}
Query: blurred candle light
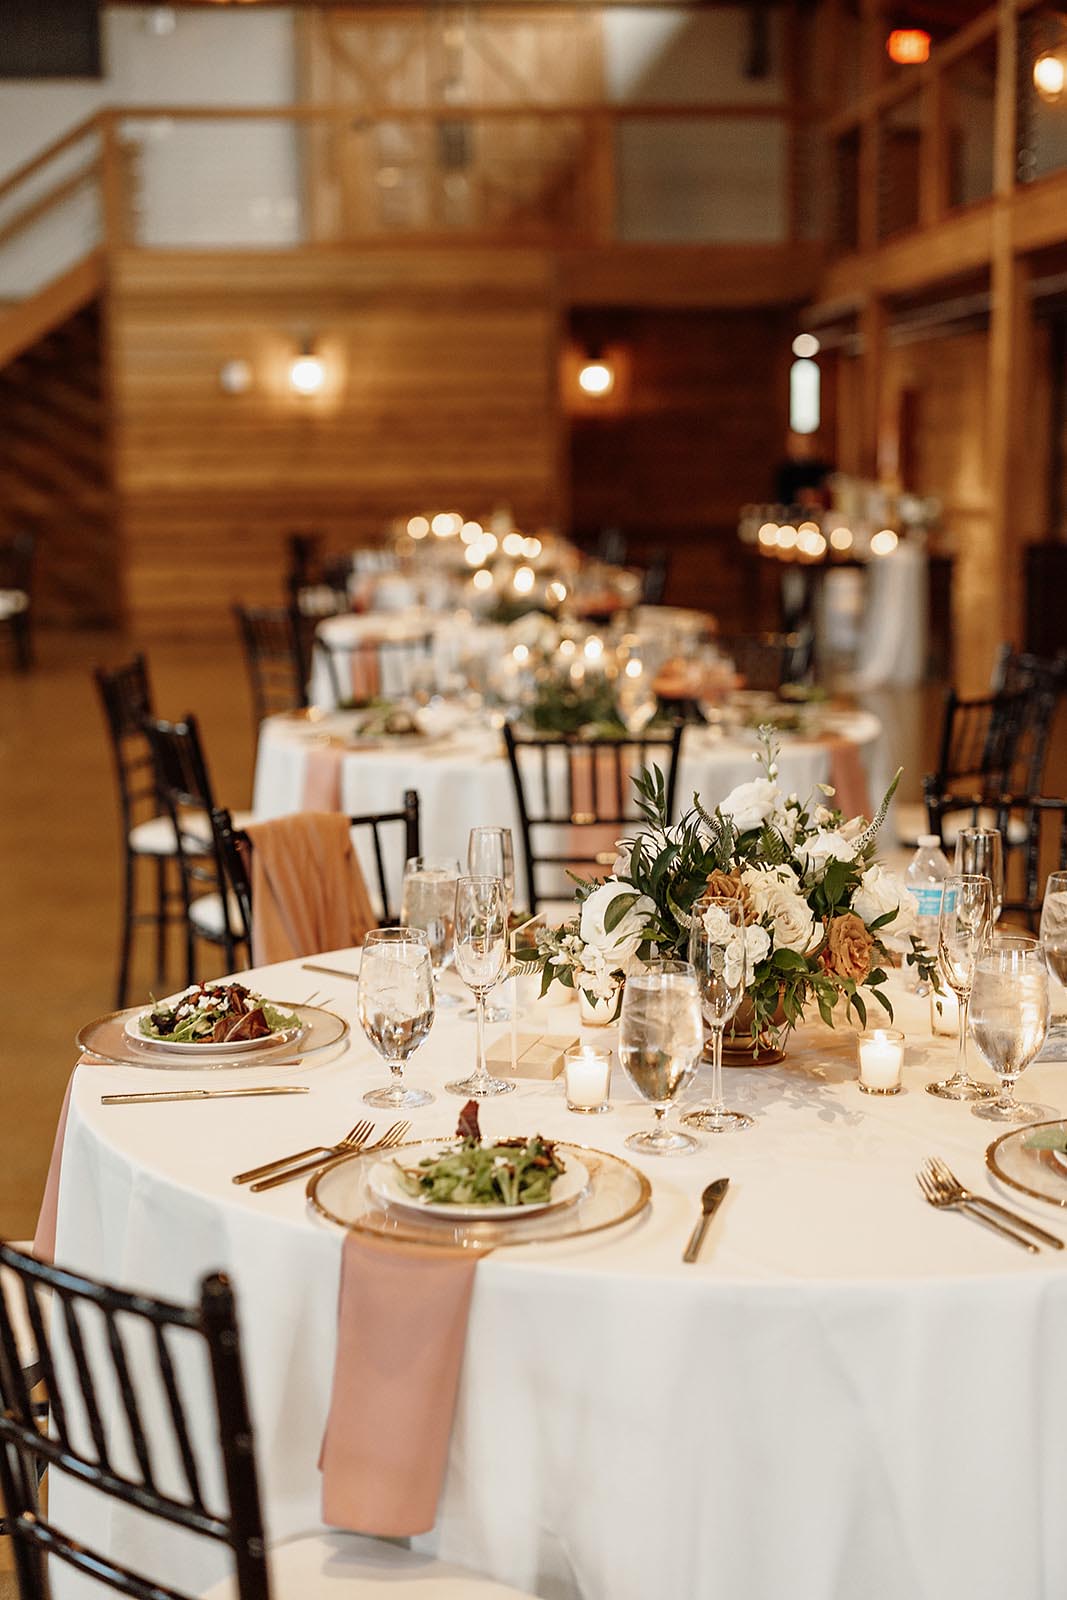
{"points": [[446, 524], [768, 535], [523, 580], [514, 544], [418, 527], [483, 579], [841, 538], [884, 542], [594, 648], [471, 532], [558, 591]]}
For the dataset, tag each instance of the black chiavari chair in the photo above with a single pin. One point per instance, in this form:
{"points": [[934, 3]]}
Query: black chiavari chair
{"points": [[16, 595], [367, 668], [235, 848], [276, 642], [570, 788], [980, 740], [1038, 826], [768, 660]]}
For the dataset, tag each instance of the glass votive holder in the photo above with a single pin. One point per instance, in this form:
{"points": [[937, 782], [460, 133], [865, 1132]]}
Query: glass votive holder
{"points": [[881, 1053], [587, 1079], [944, 1013]]}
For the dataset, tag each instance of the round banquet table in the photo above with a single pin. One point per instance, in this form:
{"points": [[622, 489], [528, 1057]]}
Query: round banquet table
{"points": [[463, 779], [849, 1394]]}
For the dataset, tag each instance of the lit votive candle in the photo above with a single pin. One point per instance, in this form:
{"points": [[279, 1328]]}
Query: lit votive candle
{"points": [[944, 1013], [587, 1078], [881, 1060]]}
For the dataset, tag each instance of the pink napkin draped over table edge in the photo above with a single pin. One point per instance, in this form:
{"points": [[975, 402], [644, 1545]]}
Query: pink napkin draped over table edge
{"points": [[308, 892], [849, 778]]}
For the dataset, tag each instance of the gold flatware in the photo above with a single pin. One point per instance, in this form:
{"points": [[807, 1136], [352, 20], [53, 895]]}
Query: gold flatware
{"points": [[392, 1136], [949, 1184], [941, 1201], [710, 1201], [355, 1136], [199, 1094], [333, 972]]}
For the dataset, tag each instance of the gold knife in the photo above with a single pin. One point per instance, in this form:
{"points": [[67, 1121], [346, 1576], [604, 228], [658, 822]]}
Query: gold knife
{"points": [[334, 972], [710, 1202], [197, 1094]]}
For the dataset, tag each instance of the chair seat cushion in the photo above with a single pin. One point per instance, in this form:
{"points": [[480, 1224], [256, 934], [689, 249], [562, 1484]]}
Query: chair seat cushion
{"points": [[156, 836], [206, 916], [350, 1567], [911, 821]]}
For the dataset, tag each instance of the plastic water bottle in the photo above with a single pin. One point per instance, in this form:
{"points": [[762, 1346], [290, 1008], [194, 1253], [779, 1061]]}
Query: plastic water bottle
{"points": [[927, 871]]}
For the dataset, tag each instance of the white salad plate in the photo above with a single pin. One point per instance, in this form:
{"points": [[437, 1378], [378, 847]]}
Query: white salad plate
{"points": [[1060, 1158], [384, 1181], [268, 1041]]}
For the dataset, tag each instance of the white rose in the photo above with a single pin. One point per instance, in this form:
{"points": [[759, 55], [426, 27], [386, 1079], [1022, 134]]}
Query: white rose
{"points": [[750, 804], [620, 944], [823, 847], [757, 945], [775, 899], [881, 891]]}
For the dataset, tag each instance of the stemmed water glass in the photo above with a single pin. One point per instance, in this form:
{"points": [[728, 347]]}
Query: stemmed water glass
{"points": [[481, 941], [1009, 1016], [635, 699], [1054, 934], [980, 853], [396, 1007], [964, 929], [661, 1037], [490, 854], [717, 955], [428, 901]]}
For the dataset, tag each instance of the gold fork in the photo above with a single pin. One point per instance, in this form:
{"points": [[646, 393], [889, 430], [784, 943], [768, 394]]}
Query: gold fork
{"points": [[938, 1198], [391, 1137], [950, 1185], [357, 1135]]}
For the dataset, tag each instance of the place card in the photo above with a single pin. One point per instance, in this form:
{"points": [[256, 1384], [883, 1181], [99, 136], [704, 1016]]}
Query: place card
{"points": [[537, 1055]]}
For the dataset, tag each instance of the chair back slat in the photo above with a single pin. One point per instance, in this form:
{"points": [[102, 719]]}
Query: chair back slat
{"points": [[273, 641], [384, 666], [114, 1391], [126, 697]]}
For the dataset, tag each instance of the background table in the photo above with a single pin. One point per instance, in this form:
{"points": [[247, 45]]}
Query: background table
{"points": [[463, 779], [850, 1394]]}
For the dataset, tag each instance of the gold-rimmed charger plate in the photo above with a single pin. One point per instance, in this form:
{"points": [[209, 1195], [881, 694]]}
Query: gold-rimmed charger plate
{"points": [[107, 1039], [1031, 1172], [616, 1194]]}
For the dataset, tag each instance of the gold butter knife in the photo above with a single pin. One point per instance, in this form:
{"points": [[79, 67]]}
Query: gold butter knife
{"points": [[198, 1094]]}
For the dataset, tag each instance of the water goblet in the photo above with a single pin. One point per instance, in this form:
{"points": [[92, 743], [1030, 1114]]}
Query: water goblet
{"points": [[661, 1037], [481, 941], [396, 1007], [1009, 1018], [1054, 935], [428, 901], [717, 955], [980, 853], [490, 854], [635, 698], [964, 929]]}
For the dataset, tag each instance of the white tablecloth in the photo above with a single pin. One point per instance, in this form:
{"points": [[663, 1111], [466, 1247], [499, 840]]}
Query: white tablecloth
{"points": [[463, 781], [849, 1395]]}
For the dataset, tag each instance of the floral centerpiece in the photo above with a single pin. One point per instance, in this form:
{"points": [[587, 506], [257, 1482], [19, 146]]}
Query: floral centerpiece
{"points": [[818, 907]]}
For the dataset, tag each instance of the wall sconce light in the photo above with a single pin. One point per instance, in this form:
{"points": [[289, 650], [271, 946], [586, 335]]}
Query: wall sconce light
{"points": [[235, 377], [596, 377], [307, 374], [1050, 74], [908, 47]]}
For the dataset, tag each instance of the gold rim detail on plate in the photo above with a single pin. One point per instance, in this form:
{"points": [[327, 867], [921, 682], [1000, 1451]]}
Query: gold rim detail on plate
{"points": [[591, 1156], [1013, 1183], [145, 1056]]}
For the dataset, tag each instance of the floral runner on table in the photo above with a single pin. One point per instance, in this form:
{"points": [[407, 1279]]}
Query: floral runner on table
{"points": [[817, 904]]}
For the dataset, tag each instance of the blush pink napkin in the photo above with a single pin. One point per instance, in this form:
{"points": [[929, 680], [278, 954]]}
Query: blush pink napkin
{"points": [[849, 779], [364, 671], [322, 778], [402, 1327], [308, 892], [44, 1238]]}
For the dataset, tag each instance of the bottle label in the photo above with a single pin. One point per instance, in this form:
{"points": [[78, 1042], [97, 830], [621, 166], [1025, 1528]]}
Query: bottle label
{"points": [[929, 900]]}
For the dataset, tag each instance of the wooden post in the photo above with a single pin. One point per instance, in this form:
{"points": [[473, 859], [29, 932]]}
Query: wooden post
{"points": [[934, 151], [112, 184], [873, 322]]}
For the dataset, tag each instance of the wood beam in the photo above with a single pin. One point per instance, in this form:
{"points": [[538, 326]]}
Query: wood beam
{"points": [[1011, 374], [873, 325]]}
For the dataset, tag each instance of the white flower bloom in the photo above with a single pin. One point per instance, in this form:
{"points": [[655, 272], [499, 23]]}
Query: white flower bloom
{"points": [[750, 804], [776, 899], [757, 945], [823, 847], [620, 944], [881, 891]]}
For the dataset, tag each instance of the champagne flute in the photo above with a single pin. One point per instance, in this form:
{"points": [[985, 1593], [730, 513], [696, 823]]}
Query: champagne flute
{"points": [[717, 954], [661, 1037], [1009, 1016], [1054, 934], [490, 854], [980, 853], [481, 941], [964, 930], [396, 1007], [428, 901]]}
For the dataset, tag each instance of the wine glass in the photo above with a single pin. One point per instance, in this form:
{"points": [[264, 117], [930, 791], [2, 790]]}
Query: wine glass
{"points": [[481, 941], [717, 955], [396, 1007], [661, 1037], [635, 699], [490, 854], [428, 901], [964, 930], [1054, 934], [980, 853], [1009, 1016]]}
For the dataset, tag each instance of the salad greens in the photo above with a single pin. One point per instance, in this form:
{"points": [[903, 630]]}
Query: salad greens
{"points": [[222, 1014], [508, 1172]]}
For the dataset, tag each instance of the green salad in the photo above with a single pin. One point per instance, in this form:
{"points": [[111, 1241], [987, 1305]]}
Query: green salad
{"points": [[507, 1172], [222, 1014]]}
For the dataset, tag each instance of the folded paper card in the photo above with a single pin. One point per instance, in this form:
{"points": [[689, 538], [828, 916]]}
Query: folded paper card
{"points": [[536, 1055]]}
